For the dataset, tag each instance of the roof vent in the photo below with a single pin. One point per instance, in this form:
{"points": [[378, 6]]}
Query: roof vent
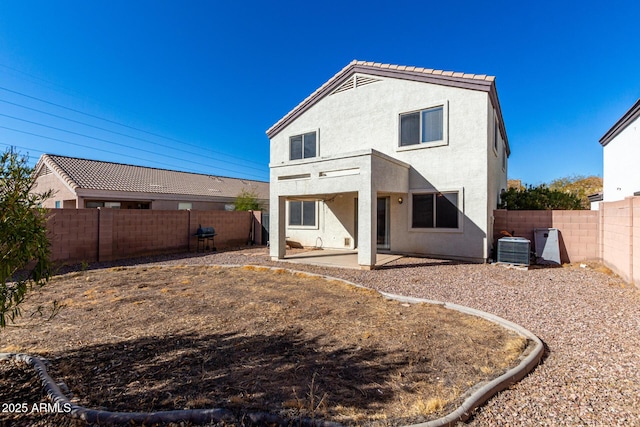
{"points": [[365, 80], [354, 82], [349, 84], [45, 171]]}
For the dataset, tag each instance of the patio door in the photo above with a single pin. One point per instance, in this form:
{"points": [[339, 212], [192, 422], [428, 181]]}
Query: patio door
{"points": [[382, 227]]}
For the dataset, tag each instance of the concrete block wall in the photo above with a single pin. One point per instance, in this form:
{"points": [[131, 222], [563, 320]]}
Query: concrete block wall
{"points": [[141, 232], [578, 230], [90, 235], [73, 235], [610, 234], [578, 234], [620, 233], [232, 228], [635, 242]]}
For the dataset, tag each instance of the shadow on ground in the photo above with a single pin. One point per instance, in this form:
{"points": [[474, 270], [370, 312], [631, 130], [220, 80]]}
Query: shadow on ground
{"points": [[283, 373]]}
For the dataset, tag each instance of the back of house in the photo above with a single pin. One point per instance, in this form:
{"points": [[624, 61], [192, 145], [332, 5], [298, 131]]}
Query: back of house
{"points": [[390, 158]]}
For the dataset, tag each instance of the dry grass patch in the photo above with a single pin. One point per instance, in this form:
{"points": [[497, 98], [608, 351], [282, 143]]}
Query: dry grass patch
{"points": [[255, 339]]}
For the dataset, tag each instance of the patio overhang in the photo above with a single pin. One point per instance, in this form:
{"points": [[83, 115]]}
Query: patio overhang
{"points": [[355, 171], [363, 173]]}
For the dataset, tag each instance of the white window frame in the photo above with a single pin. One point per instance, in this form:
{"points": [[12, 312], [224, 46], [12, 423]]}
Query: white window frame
{"points": [[302, 134], [460, 206], [302, 227], [445, 127], [185, 206]]}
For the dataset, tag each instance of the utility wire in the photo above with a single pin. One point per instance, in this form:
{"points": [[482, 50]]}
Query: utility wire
{"points": [[112, 152], [104, 140], [199, 154], [120, 124]]}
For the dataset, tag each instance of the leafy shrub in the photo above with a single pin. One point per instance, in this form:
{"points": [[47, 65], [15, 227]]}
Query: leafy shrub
{"points": [[24, 245]]}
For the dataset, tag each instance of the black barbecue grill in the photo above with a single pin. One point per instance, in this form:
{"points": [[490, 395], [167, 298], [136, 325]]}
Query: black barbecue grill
{"points": [[205, 235]]}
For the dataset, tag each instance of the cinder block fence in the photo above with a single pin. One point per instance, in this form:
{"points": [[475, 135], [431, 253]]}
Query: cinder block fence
{"points": [[578, 230], [90, 235], [609, 235]]}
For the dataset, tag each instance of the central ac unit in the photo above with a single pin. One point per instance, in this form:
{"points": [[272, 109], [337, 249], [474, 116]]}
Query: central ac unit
{"points": [[514, 250]]}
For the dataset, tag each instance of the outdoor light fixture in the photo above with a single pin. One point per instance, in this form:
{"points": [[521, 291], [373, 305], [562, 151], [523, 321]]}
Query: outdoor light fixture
{"points": [[400, 200]]}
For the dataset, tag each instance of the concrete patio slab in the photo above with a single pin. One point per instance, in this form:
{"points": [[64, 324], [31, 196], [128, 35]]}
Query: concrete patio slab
{"points": [[336, 258]]}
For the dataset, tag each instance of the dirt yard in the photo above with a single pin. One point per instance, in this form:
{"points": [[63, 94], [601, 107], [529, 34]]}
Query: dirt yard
{"points": [[252, 339]]}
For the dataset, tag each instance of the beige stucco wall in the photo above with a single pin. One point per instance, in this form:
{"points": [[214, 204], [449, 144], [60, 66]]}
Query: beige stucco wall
{"points": [[62, 192], [367, 117], [496, 170]]}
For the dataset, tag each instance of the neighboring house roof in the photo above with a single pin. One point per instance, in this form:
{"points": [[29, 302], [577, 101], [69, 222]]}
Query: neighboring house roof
{"points": [[99, 175], [481, 82], [626, 120]]}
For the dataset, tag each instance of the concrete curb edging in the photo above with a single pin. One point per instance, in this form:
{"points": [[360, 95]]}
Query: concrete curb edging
{"points": [[474, 397], [479, 394], [196, 416]]}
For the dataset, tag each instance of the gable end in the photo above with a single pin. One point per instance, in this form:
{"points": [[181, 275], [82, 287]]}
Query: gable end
{"points": [[370, 70]]}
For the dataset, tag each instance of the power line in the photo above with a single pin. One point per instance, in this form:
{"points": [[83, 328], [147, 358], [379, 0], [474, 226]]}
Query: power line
{"points": [[110, 152], [104, 140], [199, 154], [118, 123]]}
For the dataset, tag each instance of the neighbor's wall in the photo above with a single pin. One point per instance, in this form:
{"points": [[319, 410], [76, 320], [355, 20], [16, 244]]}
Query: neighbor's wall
{"points": [[610, 234], [73, 234], [91, 235], [195, 205], [578, 229], [61, 192], [620, 237]]}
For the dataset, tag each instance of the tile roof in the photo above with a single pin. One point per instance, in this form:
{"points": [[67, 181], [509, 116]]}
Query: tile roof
{"points": [[481, 82], [100, 175]]}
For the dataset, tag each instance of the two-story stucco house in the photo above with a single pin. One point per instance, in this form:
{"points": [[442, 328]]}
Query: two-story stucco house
{"points": [[390, 158], [620, 152]]}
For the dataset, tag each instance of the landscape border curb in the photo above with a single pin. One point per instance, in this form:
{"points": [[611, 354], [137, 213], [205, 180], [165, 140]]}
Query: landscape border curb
{"points": [[474, 397]]}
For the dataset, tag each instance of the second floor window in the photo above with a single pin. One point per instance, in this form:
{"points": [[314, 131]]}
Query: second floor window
{"points": [[302, 146], [422, 126]]}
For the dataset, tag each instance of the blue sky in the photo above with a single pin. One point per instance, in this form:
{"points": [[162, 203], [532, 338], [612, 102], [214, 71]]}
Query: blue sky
{"points": [[194, 85]]}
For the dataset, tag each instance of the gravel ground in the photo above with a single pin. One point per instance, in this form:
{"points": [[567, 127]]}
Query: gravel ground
{"points": [[588, 319]]}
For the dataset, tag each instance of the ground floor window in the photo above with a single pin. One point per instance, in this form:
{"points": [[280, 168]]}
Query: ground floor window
{"points": [[435, 210], [302, 213], [117, 205]]}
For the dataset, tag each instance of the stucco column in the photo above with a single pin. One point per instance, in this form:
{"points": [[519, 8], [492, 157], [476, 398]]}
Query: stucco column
{"points": [[277, 228], [367, 244]]}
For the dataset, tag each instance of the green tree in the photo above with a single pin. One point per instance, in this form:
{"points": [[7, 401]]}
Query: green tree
{"points": [[247, 201], [578, 185], [538, 198], [24, 245]]}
